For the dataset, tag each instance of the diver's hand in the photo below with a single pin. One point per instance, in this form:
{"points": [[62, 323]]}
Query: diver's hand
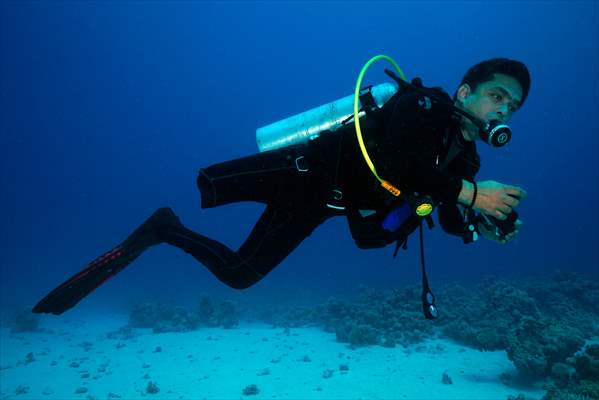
{"points": [[492, 198], [489, 232]]}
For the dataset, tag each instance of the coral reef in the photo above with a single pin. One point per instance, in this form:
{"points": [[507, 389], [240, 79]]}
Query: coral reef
{"points": [[168, 318], [539, 324], [484, 318], [162, 318], [580, 384], [587, 363], [220, 314], [542, 325], [376, 318], [537, 345]]}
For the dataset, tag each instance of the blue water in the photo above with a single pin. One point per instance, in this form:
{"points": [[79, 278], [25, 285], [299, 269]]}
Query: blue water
{"points": [[107, 110]]}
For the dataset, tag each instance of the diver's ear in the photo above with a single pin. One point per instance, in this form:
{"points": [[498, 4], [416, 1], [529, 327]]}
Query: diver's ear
{"points": [[463, 92]]}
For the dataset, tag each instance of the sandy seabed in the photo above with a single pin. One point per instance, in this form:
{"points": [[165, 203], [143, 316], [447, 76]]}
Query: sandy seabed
{"points": [[75, 359]]}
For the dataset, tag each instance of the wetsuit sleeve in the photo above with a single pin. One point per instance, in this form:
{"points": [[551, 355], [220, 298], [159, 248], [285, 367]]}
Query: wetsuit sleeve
{"points": [[407, 156], [451, 218]]}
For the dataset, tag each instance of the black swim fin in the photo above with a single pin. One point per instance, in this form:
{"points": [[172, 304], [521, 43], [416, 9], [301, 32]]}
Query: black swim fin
{"points": [[84, 282], [107, 265]]}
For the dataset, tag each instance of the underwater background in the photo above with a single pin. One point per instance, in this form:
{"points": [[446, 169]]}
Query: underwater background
{"points": [[108, 110]]}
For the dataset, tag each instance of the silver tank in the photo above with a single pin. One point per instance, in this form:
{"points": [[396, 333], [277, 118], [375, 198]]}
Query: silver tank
{"points": [[308, 125]]}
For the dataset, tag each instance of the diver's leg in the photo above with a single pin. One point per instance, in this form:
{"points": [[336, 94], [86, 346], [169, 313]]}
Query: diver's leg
{"points": [[277, 233], [279, 230], [107, 265], [264, 178]]}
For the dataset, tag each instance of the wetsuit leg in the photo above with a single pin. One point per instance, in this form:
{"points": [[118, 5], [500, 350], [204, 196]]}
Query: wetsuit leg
{"points": [[280, 229], [266, 178], [288, 181], [277, 233], [278, 178]]}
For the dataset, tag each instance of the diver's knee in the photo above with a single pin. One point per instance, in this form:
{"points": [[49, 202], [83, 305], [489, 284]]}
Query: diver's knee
{"points": [[245, 280], [242, 277], [240, 285]]}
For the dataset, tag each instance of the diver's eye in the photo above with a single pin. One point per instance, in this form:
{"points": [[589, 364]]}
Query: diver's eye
{"points": [[497, 97]]}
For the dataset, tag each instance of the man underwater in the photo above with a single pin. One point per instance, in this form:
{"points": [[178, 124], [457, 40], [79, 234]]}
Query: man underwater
{"points": [[417, 140]]}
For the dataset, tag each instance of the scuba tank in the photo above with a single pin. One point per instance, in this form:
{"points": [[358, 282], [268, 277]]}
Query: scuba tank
{"points": [[310, 124]]}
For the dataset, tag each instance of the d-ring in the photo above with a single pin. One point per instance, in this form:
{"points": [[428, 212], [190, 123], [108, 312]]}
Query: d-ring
{"points": [[297, 165]]}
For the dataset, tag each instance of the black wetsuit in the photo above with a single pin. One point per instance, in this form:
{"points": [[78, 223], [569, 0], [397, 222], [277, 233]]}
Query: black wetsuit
{"points": [[302, 186]]}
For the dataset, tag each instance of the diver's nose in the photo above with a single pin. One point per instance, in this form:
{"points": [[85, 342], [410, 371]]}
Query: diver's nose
{"points": [[503, 112]]}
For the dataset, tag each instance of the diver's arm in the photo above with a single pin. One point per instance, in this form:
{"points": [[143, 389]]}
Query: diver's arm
{"points": [[492, 198], [451, 219], [466, 192]]}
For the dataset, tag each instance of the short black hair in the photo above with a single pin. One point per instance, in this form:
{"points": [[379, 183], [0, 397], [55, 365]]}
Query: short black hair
{"points": [[483, 72]]}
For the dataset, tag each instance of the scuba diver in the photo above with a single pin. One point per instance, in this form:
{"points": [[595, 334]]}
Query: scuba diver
{"points": [[417, 154]]}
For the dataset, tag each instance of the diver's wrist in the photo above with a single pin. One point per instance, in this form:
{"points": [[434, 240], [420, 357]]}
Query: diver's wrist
{"points": [[466, 193]]}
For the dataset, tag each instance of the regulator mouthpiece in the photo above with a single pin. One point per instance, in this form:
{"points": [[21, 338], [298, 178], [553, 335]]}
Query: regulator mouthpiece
{"points": [[496, 134]]}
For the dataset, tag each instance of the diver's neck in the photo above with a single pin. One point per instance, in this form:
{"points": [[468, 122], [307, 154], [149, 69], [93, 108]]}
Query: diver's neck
{"points": [[466, 135], [468, 130], [466, 126]]}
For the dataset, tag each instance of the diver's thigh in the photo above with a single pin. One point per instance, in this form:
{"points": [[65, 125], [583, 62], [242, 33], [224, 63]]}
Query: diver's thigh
{"points": [[261, 177], [278, 232]]}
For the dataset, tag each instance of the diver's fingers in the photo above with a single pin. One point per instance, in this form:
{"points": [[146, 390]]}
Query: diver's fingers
{"points": [[505, 209], [500, 215], [512, 235], [516, 191], [510, 200], [518, 225]]}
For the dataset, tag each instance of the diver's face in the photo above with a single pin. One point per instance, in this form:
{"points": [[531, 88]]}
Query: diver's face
{"points": [[496, 99]]}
